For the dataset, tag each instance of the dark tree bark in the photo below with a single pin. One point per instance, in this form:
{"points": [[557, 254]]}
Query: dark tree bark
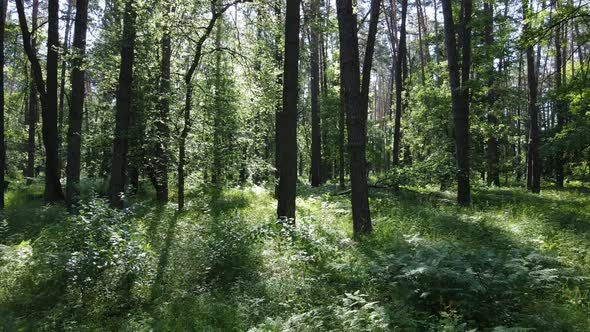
{"points": [[123, 110], [48, 93], [341, 125], [3, 8], [391, 20], [162, 153], [356, 105], [368, 60], [421, 32], [279, 101], [217, 171], [518, 123], [400, 76], [458, 79], [534, 160], [62, 85], [493, 149], [287, 135], [53, 189], [32, 113], [77, 103], [316, 145], [559, 104]]}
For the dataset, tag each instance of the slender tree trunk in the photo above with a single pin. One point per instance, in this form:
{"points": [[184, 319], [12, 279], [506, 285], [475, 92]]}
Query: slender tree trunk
{"points": [[391, 21], [399, 84], [62, 86], [217, 171], [77, 103], [341, 124], [356, 105], [421, 31], [316, 145], [216, 13], [162, 151], [279, 101], [493, 149], [3, 8], [458, 79], [436, 36], [287, 135], [559, 171], [123, 109], [518, 123], [534, 160], [32, 114], [48, 94], [53, 189]]}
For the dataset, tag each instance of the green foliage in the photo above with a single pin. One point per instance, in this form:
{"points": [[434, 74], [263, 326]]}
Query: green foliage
{"points": [[513, 262]]}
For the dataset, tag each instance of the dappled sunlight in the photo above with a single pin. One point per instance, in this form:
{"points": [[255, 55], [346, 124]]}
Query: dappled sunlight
{"points": [[226, 264]]}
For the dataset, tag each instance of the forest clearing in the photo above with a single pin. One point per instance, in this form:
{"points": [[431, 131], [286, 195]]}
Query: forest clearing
{"points": [[295, 165]]}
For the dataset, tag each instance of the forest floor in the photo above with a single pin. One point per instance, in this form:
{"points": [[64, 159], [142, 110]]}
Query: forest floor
{"points": [[513, 261]]}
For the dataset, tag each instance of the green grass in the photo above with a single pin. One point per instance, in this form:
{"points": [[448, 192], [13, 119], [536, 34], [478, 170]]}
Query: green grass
{"points": [[512, 262]]}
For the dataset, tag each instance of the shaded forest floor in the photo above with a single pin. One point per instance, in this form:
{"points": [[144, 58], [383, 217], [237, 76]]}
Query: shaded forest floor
{"points": [[513, 260]]}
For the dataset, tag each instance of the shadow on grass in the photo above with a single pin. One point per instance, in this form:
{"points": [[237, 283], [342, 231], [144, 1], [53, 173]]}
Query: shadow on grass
{"points": [[25, 215], [450, 260], [206, 266]]}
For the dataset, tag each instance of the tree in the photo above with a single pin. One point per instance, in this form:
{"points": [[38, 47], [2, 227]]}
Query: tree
{"points": [[123, 109], [77, 103], [287, 133], [316, 143], [32, 111], [559, 103], [493, 149], [534, 159], [48, 95], [160, 176], [400, 77], [3, 9], [458, 81], [356, 105], [217, 10], [62, 84]]}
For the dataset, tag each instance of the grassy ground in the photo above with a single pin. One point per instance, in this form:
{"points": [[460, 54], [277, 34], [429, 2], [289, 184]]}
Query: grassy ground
{"points": [[512, 262]]}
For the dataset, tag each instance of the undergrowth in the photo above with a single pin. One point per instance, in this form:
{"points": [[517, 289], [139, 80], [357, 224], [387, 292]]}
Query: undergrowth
{"points": [[512, 262]]}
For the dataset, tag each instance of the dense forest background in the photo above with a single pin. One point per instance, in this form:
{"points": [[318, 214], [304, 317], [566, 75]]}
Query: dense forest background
{"points": [[295, 165]]}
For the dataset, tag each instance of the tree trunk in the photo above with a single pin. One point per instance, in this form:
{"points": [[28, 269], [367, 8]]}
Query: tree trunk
{"points": [[458, 79], [518, 123], [421, 31], [399, 84], [77, 103], [316, 147], [48, 93], [559, 104], [162, 152], [53, 189], [123, 109], [493, 149], [3, 8], [32, 113], [287, 135], [534, 160], [341, 124], [279, 101], [217, 171], [188, 77], [437, 51], [356, 106], [62, 86]]}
